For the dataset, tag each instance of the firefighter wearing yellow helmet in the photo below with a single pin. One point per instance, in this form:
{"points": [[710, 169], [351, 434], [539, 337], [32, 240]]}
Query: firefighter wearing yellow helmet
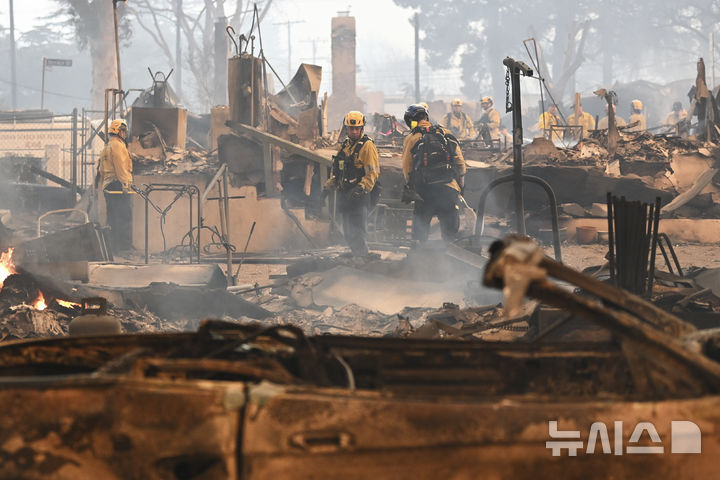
{"points": [[459, 122], [355, 172], [116, 169], [636, 115], [490, 118]]}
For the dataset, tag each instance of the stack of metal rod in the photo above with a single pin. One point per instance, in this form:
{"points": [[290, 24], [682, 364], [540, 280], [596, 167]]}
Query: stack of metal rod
{"points": [[632, 240]]}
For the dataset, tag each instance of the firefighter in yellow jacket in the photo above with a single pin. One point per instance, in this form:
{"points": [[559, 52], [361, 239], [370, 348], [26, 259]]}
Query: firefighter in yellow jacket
{"points": [[584, 119], [490, 118], [434, 170], [547, 120], [116, 177], [636, 107], [355, 173], [677, 115], [459, 122], [603, 122]]}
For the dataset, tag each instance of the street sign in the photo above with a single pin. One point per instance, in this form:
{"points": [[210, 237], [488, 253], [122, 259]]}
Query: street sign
{"points": [[57, 62], [51, 62]]}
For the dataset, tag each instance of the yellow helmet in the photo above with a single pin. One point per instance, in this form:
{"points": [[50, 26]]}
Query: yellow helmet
{"points": [[117, 125], [427, 107], [354, 119], [457, 102], [637, 104], [486, 100]]}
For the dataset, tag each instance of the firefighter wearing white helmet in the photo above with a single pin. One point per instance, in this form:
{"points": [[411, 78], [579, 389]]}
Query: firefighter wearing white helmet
{"points": [[355, 173], [490, 118], [636, 108], [115, 168], [459, 122]]}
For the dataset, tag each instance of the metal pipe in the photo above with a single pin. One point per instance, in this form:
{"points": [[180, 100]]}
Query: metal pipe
{"points": [[42, 88], [517, 152], [190, 198], [73, 146], [672, 252], [226, 201], [147, 224], [215, 178], [655, 226], [117, 43], [416, 24], [480, 223], [611, 239], [13, 69]]}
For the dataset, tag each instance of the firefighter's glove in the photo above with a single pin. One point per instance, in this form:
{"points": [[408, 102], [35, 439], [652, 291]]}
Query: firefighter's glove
{"points": [[408, 194], [329, 185], [357, 193]]}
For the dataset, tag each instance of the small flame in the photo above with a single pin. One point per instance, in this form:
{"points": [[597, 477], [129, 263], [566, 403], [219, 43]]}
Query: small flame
{"points": [[66, 304], [7, 267], [39, 302]]}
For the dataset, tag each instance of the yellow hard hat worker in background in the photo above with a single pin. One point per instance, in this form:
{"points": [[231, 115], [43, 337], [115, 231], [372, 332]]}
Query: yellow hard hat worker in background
{"points": [[490, 119], [637, 116], [458, 122]]}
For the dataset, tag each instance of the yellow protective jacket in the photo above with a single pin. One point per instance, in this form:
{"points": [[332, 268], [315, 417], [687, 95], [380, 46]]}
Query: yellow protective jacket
{"points": [[603, 122], [492, 118], [115, 163], [675, 118], [641, 126], [547, 120], [366, 158], [407, 160], [586, 121], [462, 127]]}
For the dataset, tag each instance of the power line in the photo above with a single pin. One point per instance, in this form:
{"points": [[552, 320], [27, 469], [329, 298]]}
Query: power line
{"points": [[33, 89]]}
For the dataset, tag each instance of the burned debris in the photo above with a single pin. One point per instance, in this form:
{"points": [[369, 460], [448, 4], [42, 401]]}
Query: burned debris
{"points": [[296, 284]]}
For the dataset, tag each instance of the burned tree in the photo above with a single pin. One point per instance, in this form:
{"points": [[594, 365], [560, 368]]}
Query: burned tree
{"points": [[92, 22]]}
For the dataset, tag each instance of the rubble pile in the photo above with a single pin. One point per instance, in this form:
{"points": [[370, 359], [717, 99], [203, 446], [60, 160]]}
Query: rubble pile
{"points": [[173, 161], [26, 321], [145, 321]]}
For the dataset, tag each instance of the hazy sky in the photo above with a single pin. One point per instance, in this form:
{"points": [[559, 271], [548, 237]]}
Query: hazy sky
{"points": [[384, 39]]}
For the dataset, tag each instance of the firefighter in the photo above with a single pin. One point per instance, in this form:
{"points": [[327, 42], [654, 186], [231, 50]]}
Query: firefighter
{"points": [[434, 170], [636, 107], [427, 107], [355, 172], [584, 119], [458, 122], [116, 175], [490, 118], [548, 119], [677, 115], [603, 122]]}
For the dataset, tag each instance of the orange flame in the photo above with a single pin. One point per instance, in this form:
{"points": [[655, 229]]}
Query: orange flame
{"points": [[66, 304], [7, 267], [39, 302]]}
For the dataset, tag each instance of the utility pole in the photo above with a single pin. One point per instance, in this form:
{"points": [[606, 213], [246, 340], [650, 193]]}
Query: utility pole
{"points": [[117, 41], [417, 57], [13, 75], [314, 43], [178, 49], [289, 34]]}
